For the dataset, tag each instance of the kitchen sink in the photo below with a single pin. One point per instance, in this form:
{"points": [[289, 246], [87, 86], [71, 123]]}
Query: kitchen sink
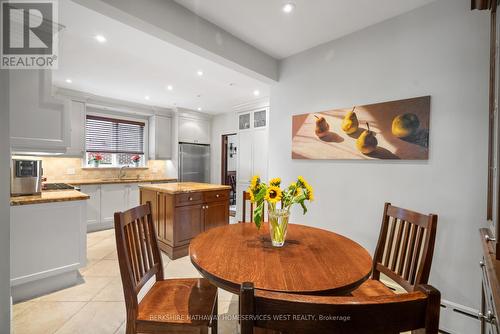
{"points": [[122, 179]]}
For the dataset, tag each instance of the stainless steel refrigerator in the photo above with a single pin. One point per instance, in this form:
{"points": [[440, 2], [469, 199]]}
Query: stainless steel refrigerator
{"points": [[194, 163]]}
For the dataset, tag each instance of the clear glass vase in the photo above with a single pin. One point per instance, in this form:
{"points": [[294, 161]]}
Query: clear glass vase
{"points": [[278, 225]]}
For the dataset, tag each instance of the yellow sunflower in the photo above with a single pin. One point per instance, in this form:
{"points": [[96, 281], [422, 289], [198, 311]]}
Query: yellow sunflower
{"points": [[275, 182], [310, 193], [252, 196], [302, 182], [254, 183], [273, 194]]}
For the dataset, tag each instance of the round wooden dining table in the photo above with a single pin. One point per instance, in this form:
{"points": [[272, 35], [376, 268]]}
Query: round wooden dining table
{"points": [[312, 261]]}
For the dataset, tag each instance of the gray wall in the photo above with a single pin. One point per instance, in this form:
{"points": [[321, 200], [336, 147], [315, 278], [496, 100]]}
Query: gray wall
{"points": [[439, 50], [4, 204]]}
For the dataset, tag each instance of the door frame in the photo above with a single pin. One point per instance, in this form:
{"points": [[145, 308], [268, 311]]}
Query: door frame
{"points": [[223, 163]]}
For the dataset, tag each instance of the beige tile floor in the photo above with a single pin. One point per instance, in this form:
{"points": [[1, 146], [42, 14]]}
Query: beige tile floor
{"points": [[96, 305]]}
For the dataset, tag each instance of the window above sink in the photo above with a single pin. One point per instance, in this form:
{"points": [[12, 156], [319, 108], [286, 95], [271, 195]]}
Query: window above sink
{"points": [[114, 142]]}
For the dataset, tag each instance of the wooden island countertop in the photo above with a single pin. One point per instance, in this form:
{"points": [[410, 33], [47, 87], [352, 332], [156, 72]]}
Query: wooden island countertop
{"points": [[182, 210], [49, 197], [183, 187]]}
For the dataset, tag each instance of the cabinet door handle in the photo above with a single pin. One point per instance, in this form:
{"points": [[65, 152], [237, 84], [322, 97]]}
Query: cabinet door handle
{"points": [[217, 195], [190, 198]]}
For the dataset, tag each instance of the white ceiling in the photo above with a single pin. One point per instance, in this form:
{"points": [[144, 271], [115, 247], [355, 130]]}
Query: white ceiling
{"points": [[133, 64], [262, 23]]}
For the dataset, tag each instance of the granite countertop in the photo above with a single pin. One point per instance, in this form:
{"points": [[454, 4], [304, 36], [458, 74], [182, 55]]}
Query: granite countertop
{"points": [[49, 197], [112, 181], [184, 187]]}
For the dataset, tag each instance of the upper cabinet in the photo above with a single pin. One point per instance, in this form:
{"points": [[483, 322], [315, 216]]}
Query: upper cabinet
{"points": [[252, 119], [38, 121], [160, 137], [192, 130], [77, 134]]}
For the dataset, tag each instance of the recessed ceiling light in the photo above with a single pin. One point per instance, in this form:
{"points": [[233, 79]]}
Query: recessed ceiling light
{"points": [[256, 92], [169, 87], [200, 73], [147, 97], [100, 38], [288, 7], [199, 109], [69, 80]]}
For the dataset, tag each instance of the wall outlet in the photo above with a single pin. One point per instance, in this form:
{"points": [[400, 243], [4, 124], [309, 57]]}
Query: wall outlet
{"points": [[70, 171]]}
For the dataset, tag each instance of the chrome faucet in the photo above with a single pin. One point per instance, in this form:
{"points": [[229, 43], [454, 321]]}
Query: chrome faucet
{"points": [[122, 172]]}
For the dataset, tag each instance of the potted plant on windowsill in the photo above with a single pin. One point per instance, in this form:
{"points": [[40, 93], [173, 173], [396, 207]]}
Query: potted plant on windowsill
{"points": [[136, 160], [95, 160], [279, 202]]}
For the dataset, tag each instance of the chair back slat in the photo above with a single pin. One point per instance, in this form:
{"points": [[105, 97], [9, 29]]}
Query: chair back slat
{"points": [[397, 245], [246, 198], [327, 314], [405, 247], [149, 245], [416, 258], [139, 255], [406, 235]]}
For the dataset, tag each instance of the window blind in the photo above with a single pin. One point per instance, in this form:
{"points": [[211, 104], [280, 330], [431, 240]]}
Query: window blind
{"points": [[111, 135]]}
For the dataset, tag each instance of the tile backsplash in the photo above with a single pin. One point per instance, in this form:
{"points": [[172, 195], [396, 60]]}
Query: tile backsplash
{"points": [[70, 169]]}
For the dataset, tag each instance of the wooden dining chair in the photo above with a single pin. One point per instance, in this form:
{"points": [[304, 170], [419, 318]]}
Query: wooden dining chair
{"points": [[404, 251], [246, 198], [170, 305], [304, 314]]}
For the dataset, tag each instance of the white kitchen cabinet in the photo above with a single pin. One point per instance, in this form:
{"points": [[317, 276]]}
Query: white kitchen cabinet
{"points": [[253, 142], [48, 246], [77, 115], [245, 155], [193, 130], [105, 200], [133, 195], [113, 199], [260, 152], [160, 137], [38, 121], [93, 206]]}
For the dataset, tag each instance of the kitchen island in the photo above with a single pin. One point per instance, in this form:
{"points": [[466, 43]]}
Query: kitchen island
{"points": [[48, 242], [182, 210]]}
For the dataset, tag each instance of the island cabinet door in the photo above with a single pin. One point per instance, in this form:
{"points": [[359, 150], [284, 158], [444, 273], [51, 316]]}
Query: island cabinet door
{"points": [[161, 204], [215, 214], [188, 223]]}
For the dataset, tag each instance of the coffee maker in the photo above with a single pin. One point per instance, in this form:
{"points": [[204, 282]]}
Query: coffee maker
{"points": [[26, 176]]}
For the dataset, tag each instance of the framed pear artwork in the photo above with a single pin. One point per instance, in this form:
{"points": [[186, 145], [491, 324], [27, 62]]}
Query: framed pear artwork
{"points": [[397, 130]]}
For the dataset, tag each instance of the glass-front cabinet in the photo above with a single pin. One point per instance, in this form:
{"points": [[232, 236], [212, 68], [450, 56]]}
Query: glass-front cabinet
{"points": [[253, 119]]}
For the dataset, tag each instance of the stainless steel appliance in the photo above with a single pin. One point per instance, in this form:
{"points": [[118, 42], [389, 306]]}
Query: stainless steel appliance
{"points": [[194, 163], [26, 176]]}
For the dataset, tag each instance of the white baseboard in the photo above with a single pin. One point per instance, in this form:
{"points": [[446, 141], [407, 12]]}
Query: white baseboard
{"points": [[43, 286], [454, 318], [100, 226]]}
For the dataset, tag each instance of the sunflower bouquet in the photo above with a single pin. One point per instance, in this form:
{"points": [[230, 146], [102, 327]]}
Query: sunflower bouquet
{"points": [[279, 203]]}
